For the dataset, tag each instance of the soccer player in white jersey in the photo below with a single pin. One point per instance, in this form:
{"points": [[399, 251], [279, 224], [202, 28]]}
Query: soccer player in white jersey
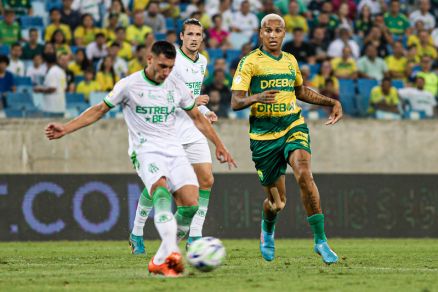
{"points": [[190, 67], [149, 99]]}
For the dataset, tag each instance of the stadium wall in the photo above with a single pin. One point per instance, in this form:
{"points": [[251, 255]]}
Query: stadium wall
{"points": [[352, 146]]}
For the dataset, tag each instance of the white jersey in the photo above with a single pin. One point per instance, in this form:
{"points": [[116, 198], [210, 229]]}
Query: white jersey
{"points": [[192, 74], [149, 112]]}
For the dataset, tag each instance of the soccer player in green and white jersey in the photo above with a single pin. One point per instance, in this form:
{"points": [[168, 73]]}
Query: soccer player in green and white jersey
{"points": [[149, 99], [190, 67]]}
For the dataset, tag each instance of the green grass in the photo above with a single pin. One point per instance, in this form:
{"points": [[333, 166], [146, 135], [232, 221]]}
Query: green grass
{"points": [[372, 265]]}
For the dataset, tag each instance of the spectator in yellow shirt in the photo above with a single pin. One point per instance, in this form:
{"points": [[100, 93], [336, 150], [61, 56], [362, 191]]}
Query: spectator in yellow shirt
{"points": [[425, 48], [325, 72], [88, 85], [294, 19], [397, 62], [139, 62], [384, 98], [345, 67], [80, 63], [55, 18], [136, 32], [86, 32], [125, 51], [106, 76], [59, 41], [140, 4]]}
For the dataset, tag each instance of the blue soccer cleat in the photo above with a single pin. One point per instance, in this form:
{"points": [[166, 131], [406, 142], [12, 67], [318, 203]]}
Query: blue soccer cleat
{"points": [[328, 256], [267, 245], [137, 244], [191, 240]]}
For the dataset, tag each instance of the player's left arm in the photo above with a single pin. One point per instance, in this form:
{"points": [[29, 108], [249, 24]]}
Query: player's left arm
{"points": [[308, 95], [205, 127]]}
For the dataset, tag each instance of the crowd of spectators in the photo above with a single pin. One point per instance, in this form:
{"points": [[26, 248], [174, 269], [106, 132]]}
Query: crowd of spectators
{"points": [[379, 57]]}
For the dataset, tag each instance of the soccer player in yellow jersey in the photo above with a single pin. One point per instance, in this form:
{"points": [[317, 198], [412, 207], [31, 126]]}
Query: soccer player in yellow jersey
{"points": [[269, 81]]}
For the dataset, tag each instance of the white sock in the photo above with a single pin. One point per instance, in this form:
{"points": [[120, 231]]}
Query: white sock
{"points": [[141, 215], [198, 222], [166, 225]]}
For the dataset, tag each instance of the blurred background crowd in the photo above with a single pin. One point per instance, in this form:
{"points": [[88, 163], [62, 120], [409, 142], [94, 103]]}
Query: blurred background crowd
{"points": [[378, 57]]}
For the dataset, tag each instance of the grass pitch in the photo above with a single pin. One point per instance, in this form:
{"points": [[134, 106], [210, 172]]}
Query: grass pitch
{"points": [[365, 265]]}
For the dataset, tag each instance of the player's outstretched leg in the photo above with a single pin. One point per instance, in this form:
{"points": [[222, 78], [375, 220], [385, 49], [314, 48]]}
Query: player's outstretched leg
{"points": [[144, 207], [267, 243], [167, 261], [300, 162], [199, 218]]}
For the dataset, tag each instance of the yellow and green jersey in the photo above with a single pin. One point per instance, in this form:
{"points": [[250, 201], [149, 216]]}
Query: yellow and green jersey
{"points": [[259, 71]]}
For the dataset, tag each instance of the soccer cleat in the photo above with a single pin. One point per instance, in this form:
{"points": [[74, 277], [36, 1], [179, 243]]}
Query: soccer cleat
{"points": [[328, 256], [137, 244], [172, 267], [191, 240], [267, 245]]}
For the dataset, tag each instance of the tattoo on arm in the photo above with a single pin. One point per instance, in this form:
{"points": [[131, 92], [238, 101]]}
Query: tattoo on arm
{"points": [[310, 96], [239, 100]]}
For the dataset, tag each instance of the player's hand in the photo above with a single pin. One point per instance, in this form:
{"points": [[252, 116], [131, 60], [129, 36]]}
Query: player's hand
{"points": [[223, 156], [336, 114], [267, 96], [211, 117], [55, 131], [202, 100]]}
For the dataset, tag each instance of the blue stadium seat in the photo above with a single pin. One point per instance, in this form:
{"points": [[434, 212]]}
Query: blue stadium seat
{"points": [[76, 103], [364, 87], [314, 69], [159, 36], [21, 101], [50, 4], [170, 23], [398, 84], [31, 21], [4, 50], [183, 7], [79, 79], [414, 115], [347, 94], [179, 25], [96, 97], [232, 55], [74, 98], [24, 89], [14, 113], [215, 54], [19, 80]]}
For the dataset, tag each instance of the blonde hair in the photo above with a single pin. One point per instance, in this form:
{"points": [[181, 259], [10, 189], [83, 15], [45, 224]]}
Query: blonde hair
{"points": [[272, 16]]}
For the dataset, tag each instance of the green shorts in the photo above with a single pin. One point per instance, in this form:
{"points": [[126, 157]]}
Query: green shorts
{"points": [[271, 156]]}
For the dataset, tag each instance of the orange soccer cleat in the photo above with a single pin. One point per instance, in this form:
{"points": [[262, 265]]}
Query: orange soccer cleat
{"points": [[172, 267]]}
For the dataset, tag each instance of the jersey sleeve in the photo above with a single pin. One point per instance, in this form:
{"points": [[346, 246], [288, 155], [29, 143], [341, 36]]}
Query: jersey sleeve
{"points": [[243, 75], [116, 95], [298, 76]]}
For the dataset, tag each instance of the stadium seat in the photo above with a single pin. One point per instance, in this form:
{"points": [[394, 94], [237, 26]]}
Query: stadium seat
{"points": [[31, 21], [22, 113], [50, 4], [21, 101], [78, 79], [159, 36], [179, 25], [314, 69], [414, 115], [74, 98], [76, 103], [96, 97], [215, 54], [170, 23], [398, 84], [18, 80], [4, 50], [24, 89], [347, 95], [231, 55], [364, 87]]}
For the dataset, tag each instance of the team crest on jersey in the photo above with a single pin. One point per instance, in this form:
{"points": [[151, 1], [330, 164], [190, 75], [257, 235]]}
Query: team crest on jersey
{"points": [[170, 97], [202, 69], [153, 168], [292, 71], [150, 95]]}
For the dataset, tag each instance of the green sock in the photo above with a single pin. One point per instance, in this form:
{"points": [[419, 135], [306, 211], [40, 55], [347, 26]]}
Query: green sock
{"points": [[268, 225], [317, 225], [144, 207], [184, 216]]}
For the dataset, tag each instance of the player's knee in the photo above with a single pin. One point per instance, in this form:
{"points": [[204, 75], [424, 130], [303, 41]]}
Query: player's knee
{"points": [[159, 183], [304, 178], [190, 201], [206, 182]]}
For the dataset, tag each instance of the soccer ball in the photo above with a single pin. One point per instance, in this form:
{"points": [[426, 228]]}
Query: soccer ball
{"points": [[206, 254]]}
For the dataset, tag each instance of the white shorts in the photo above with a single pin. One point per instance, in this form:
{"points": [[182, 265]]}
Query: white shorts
{"points": [[198, 152], [176, 169]]}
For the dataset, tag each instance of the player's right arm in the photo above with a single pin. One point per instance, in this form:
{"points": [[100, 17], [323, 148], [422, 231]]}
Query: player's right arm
{"points": [[240, 87], [88, 117]]}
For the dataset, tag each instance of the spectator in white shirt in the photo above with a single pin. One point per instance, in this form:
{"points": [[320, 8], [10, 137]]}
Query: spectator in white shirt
{"points": [[424, 15], [37, 70], [227, 15], [53, 87], [16, 66], [254, 5], [97, 49], [335, 48], [245, 21], [374, 5], [371, 66], [419, 99], [88, 7], [154, 19], [119, 64]]}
